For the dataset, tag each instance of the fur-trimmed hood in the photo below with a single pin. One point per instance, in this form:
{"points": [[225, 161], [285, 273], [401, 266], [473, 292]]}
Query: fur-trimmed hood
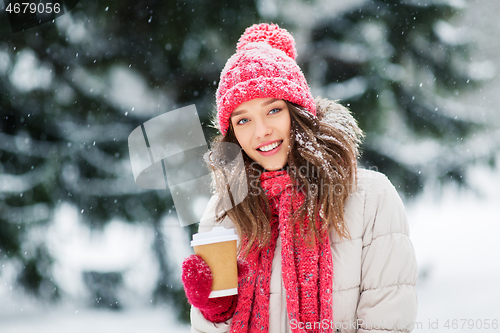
{"points": [[341, 118]]}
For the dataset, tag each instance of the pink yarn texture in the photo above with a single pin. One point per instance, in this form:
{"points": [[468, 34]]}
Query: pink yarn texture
{"points": [[307, 271], [197, 281], [263, 66]]}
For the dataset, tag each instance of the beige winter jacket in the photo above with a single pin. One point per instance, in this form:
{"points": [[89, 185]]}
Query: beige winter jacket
{"points": [[375, 272]]}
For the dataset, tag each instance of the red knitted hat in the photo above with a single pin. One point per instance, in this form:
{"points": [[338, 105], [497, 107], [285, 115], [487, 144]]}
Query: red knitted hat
{"points": [[263, 66]]}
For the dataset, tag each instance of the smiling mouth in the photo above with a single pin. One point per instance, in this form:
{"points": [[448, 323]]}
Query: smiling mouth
{"points": [[270, 147]]}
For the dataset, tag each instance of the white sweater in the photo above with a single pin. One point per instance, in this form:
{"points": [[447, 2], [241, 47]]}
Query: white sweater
{"points": [[375, 271]]}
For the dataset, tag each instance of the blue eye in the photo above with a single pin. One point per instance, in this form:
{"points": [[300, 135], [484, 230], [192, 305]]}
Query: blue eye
{"points": [[273, 111], [242, 121]]}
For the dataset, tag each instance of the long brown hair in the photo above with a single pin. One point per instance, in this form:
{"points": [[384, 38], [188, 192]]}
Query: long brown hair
{"points": [[322, 162]]}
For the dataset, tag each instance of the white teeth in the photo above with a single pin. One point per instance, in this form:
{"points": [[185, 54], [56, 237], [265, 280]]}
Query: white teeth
{"points": [[270, 147]]}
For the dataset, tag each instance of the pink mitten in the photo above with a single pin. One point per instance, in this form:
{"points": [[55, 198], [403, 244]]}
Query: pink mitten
{"points": [[197, 280]]}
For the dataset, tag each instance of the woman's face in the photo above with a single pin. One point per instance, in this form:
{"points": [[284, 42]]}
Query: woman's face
{"points": [[262, 128]]}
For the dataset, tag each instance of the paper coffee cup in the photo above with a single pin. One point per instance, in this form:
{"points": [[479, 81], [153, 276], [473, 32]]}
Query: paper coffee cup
{"points": [[218, 249]]}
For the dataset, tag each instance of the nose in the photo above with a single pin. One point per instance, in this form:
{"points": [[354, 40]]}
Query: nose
{"points": [[262, 129]]}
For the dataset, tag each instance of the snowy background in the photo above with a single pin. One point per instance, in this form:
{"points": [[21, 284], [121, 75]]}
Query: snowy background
{"points": [[454, 231]]}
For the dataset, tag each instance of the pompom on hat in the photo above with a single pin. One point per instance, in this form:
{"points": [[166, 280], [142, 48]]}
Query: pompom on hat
{"points": [[263, 66]]}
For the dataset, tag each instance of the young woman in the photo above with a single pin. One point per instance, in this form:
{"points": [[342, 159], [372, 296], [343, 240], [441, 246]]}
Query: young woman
{"points": [[324, 245]]}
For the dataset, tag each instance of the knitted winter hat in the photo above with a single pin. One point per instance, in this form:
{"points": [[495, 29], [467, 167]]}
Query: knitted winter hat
{"points": [[263, 66]]}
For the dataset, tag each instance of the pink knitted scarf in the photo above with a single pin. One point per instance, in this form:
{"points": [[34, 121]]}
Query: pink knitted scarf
{"points": [[307, 271]]}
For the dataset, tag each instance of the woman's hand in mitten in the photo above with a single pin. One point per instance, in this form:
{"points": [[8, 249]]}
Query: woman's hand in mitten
{"points": [[197, 280]]}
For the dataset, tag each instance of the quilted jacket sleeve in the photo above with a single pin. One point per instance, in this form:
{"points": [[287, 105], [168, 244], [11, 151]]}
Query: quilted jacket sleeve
{"points": [[388, 299]]}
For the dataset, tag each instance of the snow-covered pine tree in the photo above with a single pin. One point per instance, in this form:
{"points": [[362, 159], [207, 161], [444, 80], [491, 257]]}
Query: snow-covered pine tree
{"points": [[92, 76], [398, 65]]}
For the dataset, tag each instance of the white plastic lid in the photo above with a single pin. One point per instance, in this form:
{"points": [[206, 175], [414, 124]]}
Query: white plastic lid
{"points": [[216, 235]]}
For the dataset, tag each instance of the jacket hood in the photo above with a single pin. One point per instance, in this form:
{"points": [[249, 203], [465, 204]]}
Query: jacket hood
{"points": [[341, 118]]}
